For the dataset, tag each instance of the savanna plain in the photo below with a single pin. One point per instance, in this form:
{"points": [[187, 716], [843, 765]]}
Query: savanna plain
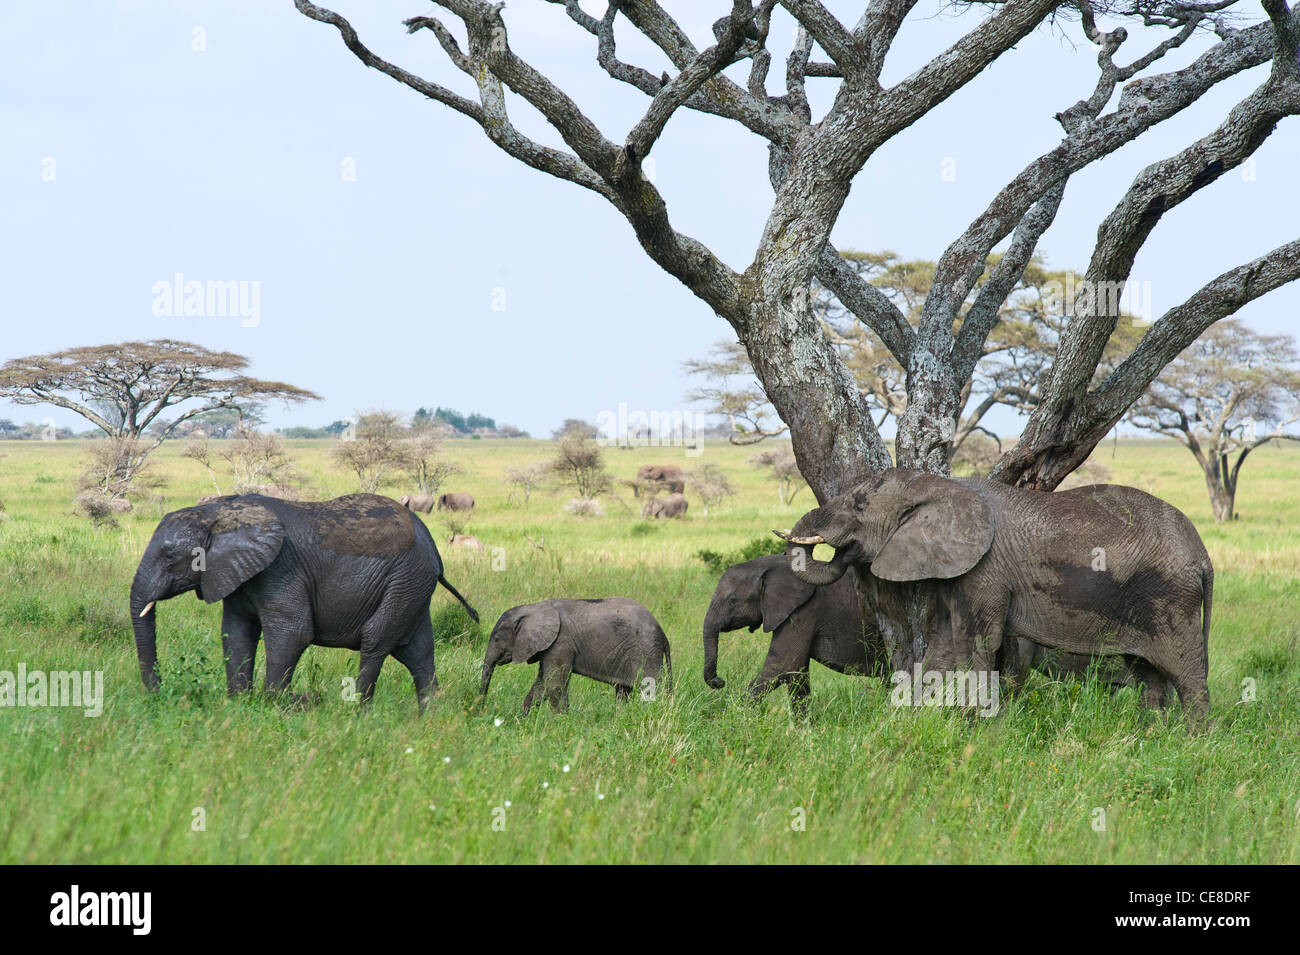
{"points": [[1066, 773]]}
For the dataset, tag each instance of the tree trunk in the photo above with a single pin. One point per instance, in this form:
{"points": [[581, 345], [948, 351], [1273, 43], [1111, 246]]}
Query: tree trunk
{"points": [[1223, 493]]}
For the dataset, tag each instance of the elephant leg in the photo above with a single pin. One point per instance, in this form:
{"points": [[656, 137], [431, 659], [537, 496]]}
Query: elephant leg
{"points": [[787, 656], [533, 691], [555, 678], [282, 658], [239, 647], [621, 693], [417, 656], [372, 661], [800, 685]]}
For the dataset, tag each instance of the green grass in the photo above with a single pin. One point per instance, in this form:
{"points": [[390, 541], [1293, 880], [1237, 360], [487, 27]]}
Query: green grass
{"points": [[701, 776]]}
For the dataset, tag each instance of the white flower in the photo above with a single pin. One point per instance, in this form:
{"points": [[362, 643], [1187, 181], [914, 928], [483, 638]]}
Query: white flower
{"points": [[410, 750], [507, 803], [446, 759], [498, 721], [600, 795], [546, 785], [566, 767]]}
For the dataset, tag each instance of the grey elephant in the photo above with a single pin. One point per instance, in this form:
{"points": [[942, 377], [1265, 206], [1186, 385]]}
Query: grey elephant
{"points": [[614, 640], [355, 572], [672, 505], [806, 622], [418, 502], [455, 502], [1099, 570], [465, 541], [660, 477]]}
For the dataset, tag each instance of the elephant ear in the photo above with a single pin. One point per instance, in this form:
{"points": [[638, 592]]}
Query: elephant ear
{"points": [[535, 630], [781, 594], [245, 539], [944, 529]]}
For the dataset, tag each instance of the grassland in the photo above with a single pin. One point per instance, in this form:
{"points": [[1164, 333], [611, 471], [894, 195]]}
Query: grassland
{"points": [[701, 776]]}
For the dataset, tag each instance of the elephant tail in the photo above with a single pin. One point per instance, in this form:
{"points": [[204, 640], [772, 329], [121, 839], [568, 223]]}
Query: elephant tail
{"points": [[668, 665], [1207, 602], [456, 593]]}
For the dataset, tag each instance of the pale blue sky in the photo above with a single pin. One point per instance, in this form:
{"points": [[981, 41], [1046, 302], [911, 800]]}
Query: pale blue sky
{"points": [[226, 164]]}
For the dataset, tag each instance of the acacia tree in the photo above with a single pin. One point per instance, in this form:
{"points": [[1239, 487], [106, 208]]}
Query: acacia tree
{"points": [[1231, 392], [122, 389], [813, 162]]}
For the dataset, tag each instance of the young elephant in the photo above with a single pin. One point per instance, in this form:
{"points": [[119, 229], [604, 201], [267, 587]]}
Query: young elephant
{"points": [[354, 572], [674, 505], [418, 502], [615, 640], [456, 502], [806, 622], [1100, 570]]}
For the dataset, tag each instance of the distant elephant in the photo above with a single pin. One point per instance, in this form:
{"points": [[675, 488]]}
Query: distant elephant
{"points": [[455, 502], [418, 502], [806, 622], [674, 505], [660, 477], [615, 640], [354, 572], [470, 543], [1098, 570]]}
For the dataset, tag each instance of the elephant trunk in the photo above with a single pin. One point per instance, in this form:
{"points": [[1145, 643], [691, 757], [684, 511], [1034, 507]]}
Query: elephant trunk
{"points": [[144, 622], [486, 677], [711, 627], [800, 543]]}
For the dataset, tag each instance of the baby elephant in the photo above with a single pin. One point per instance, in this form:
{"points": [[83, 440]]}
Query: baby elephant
{"points": [[615, 640], [674, 505]]}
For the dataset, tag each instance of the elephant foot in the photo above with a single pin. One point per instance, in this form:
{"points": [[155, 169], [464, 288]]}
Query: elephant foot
{"points": [[302, 701], [715, 682]]}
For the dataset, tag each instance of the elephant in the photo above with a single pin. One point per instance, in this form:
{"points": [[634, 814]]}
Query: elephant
{"points": [[674, 505], [469, 543], [455, 502], [660, 477], [418, 502], [806, 622], [354, 572], [826, 624], [1097, 570], [614, 640]]}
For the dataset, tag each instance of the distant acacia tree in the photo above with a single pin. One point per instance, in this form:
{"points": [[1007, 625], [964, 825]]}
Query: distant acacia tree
{"points": [[375, 451], [423, 462], [781, 467], [526, 479], [1231, 392], [710, 484], [578, 463], [583, 429], [123, 389]]}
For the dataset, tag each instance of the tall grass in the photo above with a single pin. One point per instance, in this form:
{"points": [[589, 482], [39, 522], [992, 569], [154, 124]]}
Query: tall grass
{"points": [[700, 776]]}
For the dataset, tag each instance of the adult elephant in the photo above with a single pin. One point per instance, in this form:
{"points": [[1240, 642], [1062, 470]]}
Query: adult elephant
{"points": [[455, 502], [672, 505], [418, 502], [660, 477], [826, 624], [806, 622], [1098, 570], [354, 572]]}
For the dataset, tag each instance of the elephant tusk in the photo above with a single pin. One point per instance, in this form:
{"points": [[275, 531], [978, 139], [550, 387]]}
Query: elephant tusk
{"points": [[147, 608], [805, 541]]}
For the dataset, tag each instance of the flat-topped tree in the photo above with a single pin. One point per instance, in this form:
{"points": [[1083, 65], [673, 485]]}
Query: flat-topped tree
{"points": [[1231, 392], [122, 389], [814, 160]]}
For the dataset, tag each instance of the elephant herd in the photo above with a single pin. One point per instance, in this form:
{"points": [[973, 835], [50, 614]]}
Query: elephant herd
{"points": [[1007, 580]]}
